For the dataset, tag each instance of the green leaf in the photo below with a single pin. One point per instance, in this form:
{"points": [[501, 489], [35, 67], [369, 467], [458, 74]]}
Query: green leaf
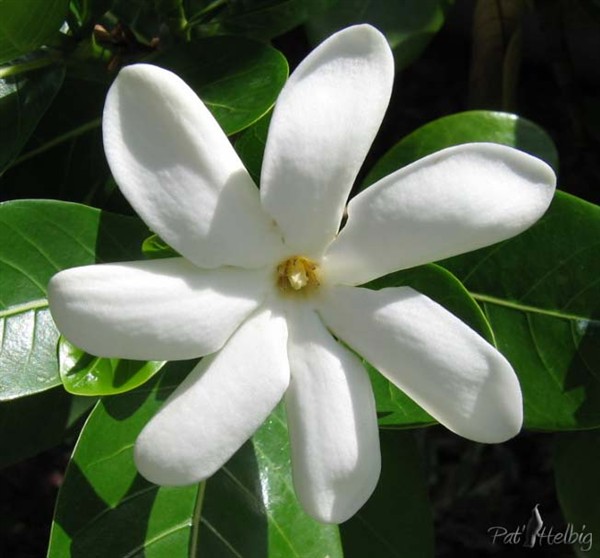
{"points": [[394, 407], [237, 78], [88, 12], [84, 374], [409, 25], [105, 509], [576, 466], [30, 425], [155, 247], [250, 146], [24, 98], [540, 293], [28, 24], [396, 522], [64, 158], [38, 239], [465, 127], [265, 19]]}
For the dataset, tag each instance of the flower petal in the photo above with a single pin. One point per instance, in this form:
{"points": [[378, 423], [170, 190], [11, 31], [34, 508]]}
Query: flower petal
{"points": [[322, 127], [157, 310], [218, 406], [332, 422], [453, 373], [178, 170], [459, 199]]}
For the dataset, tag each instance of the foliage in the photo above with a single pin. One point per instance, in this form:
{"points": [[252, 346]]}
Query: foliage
{"points": [[535, 296]]}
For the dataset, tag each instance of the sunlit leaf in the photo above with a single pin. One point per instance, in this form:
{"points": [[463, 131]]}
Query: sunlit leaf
{"points": [[248, 508], [38, 239], [466, 127], [237, 78], [84, 374], [539, 291]]}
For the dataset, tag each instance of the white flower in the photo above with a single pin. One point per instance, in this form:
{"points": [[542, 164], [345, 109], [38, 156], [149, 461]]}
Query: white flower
{"points": [[267, 278]]}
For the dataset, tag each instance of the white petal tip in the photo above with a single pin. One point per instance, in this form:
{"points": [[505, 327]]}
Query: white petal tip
{"points": [[160, 468]]}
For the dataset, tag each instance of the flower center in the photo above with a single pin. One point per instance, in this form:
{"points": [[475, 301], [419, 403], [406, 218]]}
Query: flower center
{"points": [[297, 273]]}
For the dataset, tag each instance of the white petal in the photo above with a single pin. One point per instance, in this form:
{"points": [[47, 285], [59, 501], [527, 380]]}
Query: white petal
{"points": [[332, 422], [324, 122], [156, 310], [178, 170], [453, 201], [453, 373], [218, 406]]}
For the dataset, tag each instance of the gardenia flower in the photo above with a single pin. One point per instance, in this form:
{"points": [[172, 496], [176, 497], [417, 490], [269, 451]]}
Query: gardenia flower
{"points": [[267, 285]]}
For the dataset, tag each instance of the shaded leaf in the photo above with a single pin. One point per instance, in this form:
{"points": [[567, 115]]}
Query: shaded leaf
{"points": [[409, 25], [30, 425], [576, 466], [250, 146], [497, 46], [28, 24], [396, 522], [238, 79], [106, 509], [24, 98], [394, 407], [540, 292], [265, 19], [38, 239]]}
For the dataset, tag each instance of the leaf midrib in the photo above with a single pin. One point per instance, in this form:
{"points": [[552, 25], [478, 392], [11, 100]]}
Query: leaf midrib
{"points": [[515, 305], [24, 307]]}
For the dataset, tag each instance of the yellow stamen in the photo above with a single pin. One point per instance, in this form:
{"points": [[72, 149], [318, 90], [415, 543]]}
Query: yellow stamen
{"points": [[297, 273]]}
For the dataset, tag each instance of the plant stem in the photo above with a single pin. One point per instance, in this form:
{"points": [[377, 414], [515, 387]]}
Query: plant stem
{"points": [[16, 69]]}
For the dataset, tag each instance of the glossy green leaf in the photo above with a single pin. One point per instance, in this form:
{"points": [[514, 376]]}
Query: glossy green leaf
{"points": [[64, 158], [84, 374], [155, 247], [466, 127], [394, 407], [576, 466], [24, 98], [250, 146], [265, 19], [409, 25], [30, 425], [38, 239], [239, 79], [540, 293], [28, 24], [396, 522], [246, 509]]}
